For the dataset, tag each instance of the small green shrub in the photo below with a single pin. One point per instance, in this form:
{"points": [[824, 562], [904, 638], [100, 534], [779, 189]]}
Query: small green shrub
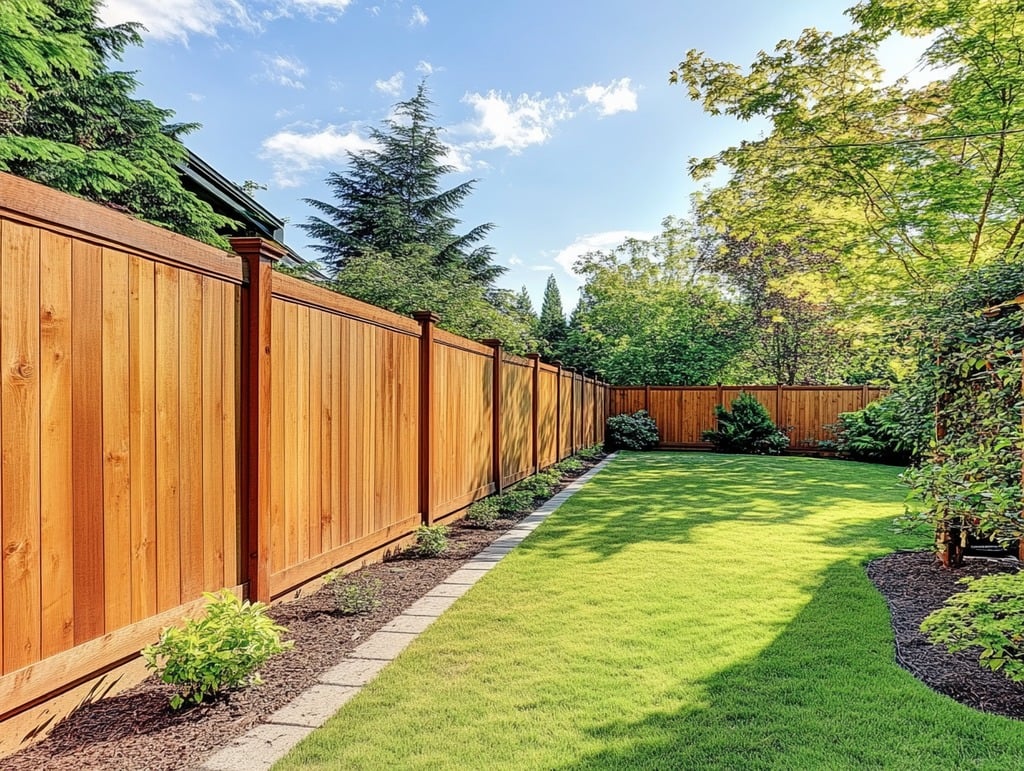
{"points": [[540, 485], [431, 540], [569, 466], [514, 501], [875, 433], [630, 432], [483, 513], [595, 451], [747, 428], [988, 615], [354, 595], [219, 651]]}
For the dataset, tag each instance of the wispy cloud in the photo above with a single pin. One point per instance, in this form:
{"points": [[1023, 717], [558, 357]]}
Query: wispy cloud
{"points": [[426, 68], [418, 18], [284, 71], [392, 86], [514, 261], [617, 96], [593, 242], [514, 123], [297, 151], [195, 97]]}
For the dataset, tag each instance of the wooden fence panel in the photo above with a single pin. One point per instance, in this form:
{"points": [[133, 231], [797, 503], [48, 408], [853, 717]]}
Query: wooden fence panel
{"points": [[565, 448], [577, 416], [344, 457], [684, 413], [464, 423], [547, 430], [516, 414]]}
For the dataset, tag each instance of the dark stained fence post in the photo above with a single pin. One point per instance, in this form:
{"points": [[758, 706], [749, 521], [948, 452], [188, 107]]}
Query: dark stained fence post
{"points": [[535, 413], [258, 258], [428, 320], [647, 399], [496, 407]]}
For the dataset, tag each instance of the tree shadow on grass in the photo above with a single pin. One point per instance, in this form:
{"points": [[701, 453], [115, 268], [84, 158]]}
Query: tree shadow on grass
{"points": [[668, 497], [826, 693]]}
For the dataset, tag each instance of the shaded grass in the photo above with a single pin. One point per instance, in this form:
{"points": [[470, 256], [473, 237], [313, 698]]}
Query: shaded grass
{"points": [[681, 611]]}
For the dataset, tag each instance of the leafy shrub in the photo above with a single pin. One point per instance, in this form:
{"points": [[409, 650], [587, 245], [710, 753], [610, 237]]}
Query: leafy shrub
{"points": [[431, 540], [484, 512], [514, 501], [875, 433], [630, 432], [569, 466], [594, 452], [354, 595], [988, 615], [747, 428], [219, 651], [540, 485]]}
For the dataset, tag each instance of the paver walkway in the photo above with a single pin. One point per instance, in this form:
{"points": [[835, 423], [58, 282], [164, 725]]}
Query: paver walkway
{"points": [[265, 744]]}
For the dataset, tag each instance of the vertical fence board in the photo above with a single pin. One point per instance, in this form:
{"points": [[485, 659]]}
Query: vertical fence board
{"points": [[231, 325], [168, 498], [278, 443], [190, 412], [213, 435], [142, 441], [337, 438], [19, 428], [314, 418], [57, 499]]}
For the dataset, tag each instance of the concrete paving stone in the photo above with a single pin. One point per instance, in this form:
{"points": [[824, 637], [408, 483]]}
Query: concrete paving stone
{"points": [[408, 624], [383, 645], [464, 576], [479, 565], [353, 672], [431, 605], [314, 706], [258, 749], [449, 590]]}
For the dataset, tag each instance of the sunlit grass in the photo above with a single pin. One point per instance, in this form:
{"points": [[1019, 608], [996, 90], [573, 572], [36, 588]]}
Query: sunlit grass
{"points": [[682, 611]]}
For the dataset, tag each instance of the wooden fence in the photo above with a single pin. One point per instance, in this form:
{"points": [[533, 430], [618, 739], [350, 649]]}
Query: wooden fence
{"points": [[176, 419], [683, 413]]}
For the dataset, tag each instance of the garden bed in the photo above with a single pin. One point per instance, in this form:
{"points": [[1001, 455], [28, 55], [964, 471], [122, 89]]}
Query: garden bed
{"points": [[138, 730]]}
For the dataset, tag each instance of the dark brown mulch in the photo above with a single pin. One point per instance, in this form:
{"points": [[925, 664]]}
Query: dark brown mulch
{"points": [[138, 730], [914, 584]]}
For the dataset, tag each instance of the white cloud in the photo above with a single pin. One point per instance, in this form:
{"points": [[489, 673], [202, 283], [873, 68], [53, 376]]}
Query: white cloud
{"points": [[545, 268], [177, 19], [459, 158], [593, 242], [617, 96], [295, 153], [426, 68], [392, 86], [284, 71], [195, 97], [515, 123], [418, 19]]}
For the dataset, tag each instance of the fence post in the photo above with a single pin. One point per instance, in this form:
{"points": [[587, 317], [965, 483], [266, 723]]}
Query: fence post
{"points": [[427, 320], [864, 396], [597, 430], [258, 258], [535, 416], [558, 412], [647, 399], [496, 385], [572, 413]]}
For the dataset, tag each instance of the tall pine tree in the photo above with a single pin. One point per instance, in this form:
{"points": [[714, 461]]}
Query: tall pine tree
{"points": [[390, 199], [68, 121], [552, 328]]}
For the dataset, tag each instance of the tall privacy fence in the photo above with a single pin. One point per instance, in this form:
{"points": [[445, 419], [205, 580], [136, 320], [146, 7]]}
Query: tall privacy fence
{"points": [[176, 419], [683, 413]]}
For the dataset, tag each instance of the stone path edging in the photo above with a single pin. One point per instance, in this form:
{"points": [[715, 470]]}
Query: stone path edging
{"points": [[270, 741]]}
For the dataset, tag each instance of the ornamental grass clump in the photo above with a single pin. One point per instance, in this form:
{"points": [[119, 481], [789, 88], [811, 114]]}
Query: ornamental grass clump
{"points": [[222, 650]]}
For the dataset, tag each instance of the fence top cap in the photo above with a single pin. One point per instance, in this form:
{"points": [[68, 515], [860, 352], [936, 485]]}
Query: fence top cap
{"points": [[430, 316]]}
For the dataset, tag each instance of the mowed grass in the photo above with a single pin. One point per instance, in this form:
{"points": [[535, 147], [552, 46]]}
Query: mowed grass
{"points": [[681, 611]]}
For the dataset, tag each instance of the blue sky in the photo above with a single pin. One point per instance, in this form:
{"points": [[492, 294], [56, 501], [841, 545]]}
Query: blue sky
{"points": [[561, 110]]}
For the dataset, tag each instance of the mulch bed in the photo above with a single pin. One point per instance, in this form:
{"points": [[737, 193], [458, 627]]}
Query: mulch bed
{"points": [[914, 584], [138, 730]]}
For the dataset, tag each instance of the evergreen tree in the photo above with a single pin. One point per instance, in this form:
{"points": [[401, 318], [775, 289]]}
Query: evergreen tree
{"points": [[552, 328], [390, 198], [69, 122]]}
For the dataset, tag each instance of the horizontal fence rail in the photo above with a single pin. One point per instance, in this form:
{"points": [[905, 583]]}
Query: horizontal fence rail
{"points": [[683, 413], [176, 419]]}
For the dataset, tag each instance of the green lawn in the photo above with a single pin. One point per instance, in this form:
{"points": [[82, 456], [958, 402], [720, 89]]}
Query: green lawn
{"points": [[681, 611]]}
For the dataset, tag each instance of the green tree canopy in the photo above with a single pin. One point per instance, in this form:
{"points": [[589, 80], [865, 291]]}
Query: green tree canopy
{"points": [[69, 122], [552, 327], [647, 315], [390, 198], [899, 186]]}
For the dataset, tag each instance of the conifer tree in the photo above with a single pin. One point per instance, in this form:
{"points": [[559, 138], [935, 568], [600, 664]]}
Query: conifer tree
{"points": [[390, 199], [69, 122], [552, 328]]}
